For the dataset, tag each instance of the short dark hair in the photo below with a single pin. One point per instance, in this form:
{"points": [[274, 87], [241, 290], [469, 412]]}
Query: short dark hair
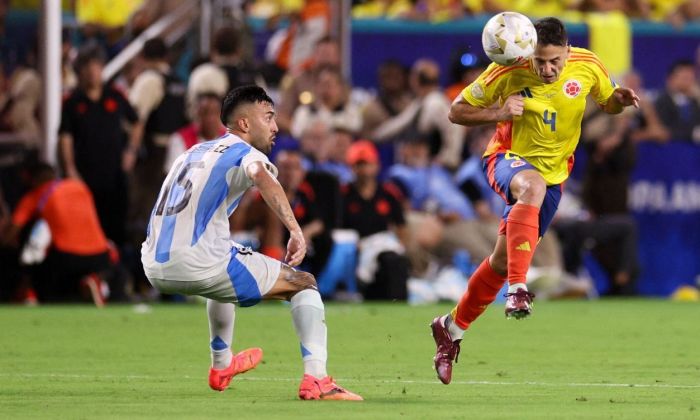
{"points": [[678, 64], [248, 94], [551, 31], [88, 53], [227, 41], [155, 49]]}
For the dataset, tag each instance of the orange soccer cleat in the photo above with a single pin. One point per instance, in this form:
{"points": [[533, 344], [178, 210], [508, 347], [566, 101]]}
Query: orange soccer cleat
{"points": [[248, 359], [312, 388]]}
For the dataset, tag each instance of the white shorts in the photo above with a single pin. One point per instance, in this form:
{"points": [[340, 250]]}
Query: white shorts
{"points": [[248, 277]]}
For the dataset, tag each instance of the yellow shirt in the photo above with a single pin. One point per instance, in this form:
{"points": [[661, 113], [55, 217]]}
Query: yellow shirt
{"points": [[547, 133], [108, 13]]}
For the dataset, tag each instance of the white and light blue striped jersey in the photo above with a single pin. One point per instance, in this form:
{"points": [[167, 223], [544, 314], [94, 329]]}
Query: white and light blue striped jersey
{"points": [[188, 234]]}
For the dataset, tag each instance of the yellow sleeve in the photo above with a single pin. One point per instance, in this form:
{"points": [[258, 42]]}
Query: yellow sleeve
{"points": [[487, 88], [603, 85]]}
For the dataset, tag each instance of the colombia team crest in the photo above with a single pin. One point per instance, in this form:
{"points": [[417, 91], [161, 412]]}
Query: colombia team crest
{"points": [[572, 88]]}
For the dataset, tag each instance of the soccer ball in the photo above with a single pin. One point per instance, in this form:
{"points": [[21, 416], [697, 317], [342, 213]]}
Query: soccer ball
{"points": [[509, 37]]}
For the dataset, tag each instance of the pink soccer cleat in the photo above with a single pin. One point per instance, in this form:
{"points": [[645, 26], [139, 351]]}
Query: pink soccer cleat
{"points": [[447, 350], [519, 304], [312, 388], [248, 359]]}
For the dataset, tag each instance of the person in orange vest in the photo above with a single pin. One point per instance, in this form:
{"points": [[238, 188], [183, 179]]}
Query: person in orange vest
{"points": [[78, 249]]}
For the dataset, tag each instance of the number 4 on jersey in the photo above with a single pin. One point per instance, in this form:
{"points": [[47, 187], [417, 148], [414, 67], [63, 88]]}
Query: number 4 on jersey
{"points": [[551, 120]]}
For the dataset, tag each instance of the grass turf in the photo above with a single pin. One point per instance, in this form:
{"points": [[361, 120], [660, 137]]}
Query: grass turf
{"points": [[602, 359]]}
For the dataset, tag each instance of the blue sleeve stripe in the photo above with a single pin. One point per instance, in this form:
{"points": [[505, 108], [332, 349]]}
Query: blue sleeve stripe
{"points": [[165, 239], [216, 189], [167, 229], [247, 292]]}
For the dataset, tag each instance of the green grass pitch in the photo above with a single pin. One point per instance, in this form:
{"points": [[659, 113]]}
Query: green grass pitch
{"points": [[603, 359]]}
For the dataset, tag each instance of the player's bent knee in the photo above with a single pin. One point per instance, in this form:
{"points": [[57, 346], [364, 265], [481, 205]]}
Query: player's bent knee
{"points": [[531, 188], [499, 265], [301, 280]]}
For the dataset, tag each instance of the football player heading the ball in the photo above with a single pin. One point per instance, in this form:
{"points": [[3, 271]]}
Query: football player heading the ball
{"points": [[538, 118]]}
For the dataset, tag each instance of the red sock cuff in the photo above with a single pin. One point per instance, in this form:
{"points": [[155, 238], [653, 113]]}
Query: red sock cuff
{"points": [[525, 214]]}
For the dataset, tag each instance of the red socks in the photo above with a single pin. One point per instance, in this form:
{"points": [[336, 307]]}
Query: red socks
{"points": [[522, 234], [483, 288]]}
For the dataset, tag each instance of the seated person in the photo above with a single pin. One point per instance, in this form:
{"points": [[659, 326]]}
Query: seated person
{"points": [[375, 212]]}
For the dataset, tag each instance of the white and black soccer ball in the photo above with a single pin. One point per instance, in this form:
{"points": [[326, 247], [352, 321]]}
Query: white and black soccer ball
{"points": [[508, 38]]}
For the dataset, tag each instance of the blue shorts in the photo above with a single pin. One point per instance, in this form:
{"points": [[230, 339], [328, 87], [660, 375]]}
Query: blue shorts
{"points": [[500, 168]]}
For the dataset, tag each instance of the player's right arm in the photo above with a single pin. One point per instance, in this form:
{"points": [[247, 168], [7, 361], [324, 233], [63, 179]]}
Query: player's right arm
{"points": [[276, 199], [463, 113], [475, 104]]}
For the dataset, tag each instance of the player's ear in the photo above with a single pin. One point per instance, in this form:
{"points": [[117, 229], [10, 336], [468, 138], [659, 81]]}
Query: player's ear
{"points": [[243, 124]]}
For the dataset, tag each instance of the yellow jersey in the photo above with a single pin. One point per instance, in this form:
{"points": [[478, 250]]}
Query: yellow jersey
{"points": [[547, 133]]}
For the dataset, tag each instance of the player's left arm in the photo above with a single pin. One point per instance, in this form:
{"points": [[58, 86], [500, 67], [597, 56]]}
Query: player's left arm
{"points": [[276, 199], [620, 98], [611, 98]]}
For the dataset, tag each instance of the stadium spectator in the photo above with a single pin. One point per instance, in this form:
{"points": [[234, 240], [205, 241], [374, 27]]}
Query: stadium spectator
{"points": [[337, 163], [92, 142], [291, 48], [78, 246], [206, 126], [527, 160], [376, 213], [679, 13], [678, 105], [644, 123], [323, 148], [315, 142], [429, 188], [226, 70], [426, 115], [20, 111], [330, 103], [297, 88], [308, 207], [393, 96], [224, 272], [158, 97]]}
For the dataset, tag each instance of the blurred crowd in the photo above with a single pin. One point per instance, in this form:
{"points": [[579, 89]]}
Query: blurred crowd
{"points": [[389, 194]]}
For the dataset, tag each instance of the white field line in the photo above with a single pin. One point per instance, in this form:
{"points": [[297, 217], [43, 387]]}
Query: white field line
{"points": [[379, 381]]}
